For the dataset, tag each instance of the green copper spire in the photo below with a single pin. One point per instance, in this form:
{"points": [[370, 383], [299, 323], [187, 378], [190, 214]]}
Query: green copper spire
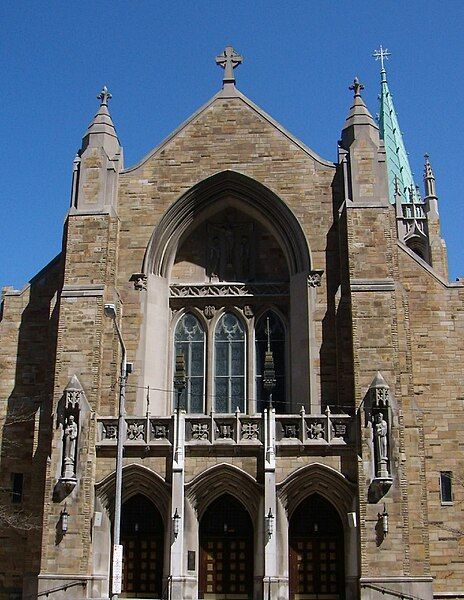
{"points": [[400, 179]]}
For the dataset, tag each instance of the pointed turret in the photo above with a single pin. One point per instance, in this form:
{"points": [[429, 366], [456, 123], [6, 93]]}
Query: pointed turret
{"points": [[101, 131], [429, 179], [438, 253], [98, 163], [359, 121], [360, 143]]}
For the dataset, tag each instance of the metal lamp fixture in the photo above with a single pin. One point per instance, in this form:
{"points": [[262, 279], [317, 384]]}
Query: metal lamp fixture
{"points": [[270, 523], [383, 518], [269, 376], [64, 520], [180, 381], [176, 523]]}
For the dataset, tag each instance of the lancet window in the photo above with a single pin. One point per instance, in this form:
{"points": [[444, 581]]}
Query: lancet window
{"points": [[229, 362], [270, 333], [190, 341]]}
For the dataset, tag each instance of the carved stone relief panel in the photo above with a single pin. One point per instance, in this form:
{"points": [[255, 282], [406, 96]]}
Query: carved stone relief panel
{"points": [[230, 251]]}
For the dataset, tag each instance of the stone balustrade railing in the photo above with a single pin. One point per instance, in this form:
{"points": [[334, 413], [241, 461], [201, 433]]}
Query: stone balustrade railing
{"points": [[230, 429]]}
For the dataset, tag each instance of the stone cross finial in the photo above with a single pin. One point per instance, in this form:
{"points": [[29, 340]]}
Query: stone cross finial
{"points": [[356, 87], [228, 60], [381, 54], [104, 96]]}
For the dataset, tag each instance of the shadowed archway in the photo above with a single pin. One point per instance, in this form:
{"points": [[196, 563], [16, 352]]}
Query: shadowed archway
{"points": [[204, 198], [226, 550], [316, 551]]}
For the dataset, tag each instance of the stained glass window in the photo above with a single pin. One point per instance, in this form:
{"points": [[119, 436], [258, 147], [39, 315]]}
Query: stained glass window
{"points": [[189, 339], [277, 345], [229, 346]]}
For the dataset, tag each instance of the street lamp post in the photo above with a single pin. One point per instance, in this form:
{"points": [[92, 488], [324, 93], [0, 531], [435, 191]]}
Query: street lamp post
{"points": [[110, 311]]}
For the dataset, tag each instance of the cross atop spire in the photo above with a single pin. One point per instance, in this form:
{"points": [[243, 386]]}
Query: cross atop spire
{"points": [[104, 96], [228, 60], [356, 87], [381, 54]]}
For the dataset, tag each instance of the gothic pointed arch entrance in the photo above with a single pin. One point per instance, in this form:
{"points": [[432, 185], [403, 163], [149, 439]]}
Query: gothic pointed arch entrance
{"points": [[226, 551], [316, 551], [142, 536]]}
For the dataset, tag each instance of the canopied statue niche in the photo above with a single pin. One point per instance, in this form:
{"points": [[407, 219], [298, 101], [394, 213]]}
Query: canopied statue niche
{"points": [[378, 413], [72, 408]]}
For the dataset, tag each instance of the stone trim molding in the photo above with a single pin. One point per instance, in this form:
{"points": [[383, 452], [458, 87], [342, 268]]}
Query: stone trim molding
{"points": [[372, 285], [202, 290], [82, 291]]}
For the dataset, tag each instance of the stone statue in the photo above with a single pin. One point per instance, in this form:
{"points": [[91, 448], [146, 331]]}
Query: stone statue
{"points": [[69, 454], [230, 244], [381, 445], [244, 257], [214, 257]]}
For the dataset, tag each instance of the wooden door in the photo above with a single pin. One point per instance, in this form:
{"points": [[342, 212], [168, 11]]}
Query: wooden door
{"points": [[316, 553], [142, 567], [315, 568], [142, 538], [226, 552]]}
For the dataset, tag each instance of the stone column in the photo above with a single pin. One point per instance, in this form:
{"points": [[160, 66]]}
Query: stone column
{"points": [[177, 508], [269, 530]]}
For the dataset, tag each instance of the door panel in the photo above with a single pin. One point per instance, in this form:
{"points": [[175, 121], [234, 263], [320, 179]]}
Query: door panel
{"points": [[226, 552], [316, 552], [315, 568], [142, 538], [142, 568]]}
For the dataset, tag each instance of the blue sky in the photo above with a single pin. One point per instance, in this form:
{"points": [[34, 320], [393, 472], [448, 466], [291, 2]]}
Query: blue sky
{"points": [[157, 59]]}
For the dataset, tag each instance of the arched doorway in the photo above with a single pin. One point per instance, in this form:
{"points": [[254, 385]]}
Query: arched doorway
{"points": [[316, 550], [226, 551], [142, 536]]}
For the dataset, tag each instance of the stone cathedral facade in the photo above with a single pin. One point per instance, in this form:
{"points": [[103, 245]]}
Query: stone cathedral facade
{"points": [[293, 419]]}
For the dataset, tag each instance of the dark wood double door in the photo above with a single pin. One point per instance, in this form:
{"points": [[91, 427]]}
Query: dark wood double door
{"points": [[142, 537], [226, 551], [316, 552]]}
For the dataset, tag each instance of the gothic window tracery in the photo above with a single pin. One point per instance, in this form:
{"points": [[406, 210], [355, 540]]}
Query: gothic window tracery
{"points": [[190, 341], [270, 329], [229, 364], [227, 273]]}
